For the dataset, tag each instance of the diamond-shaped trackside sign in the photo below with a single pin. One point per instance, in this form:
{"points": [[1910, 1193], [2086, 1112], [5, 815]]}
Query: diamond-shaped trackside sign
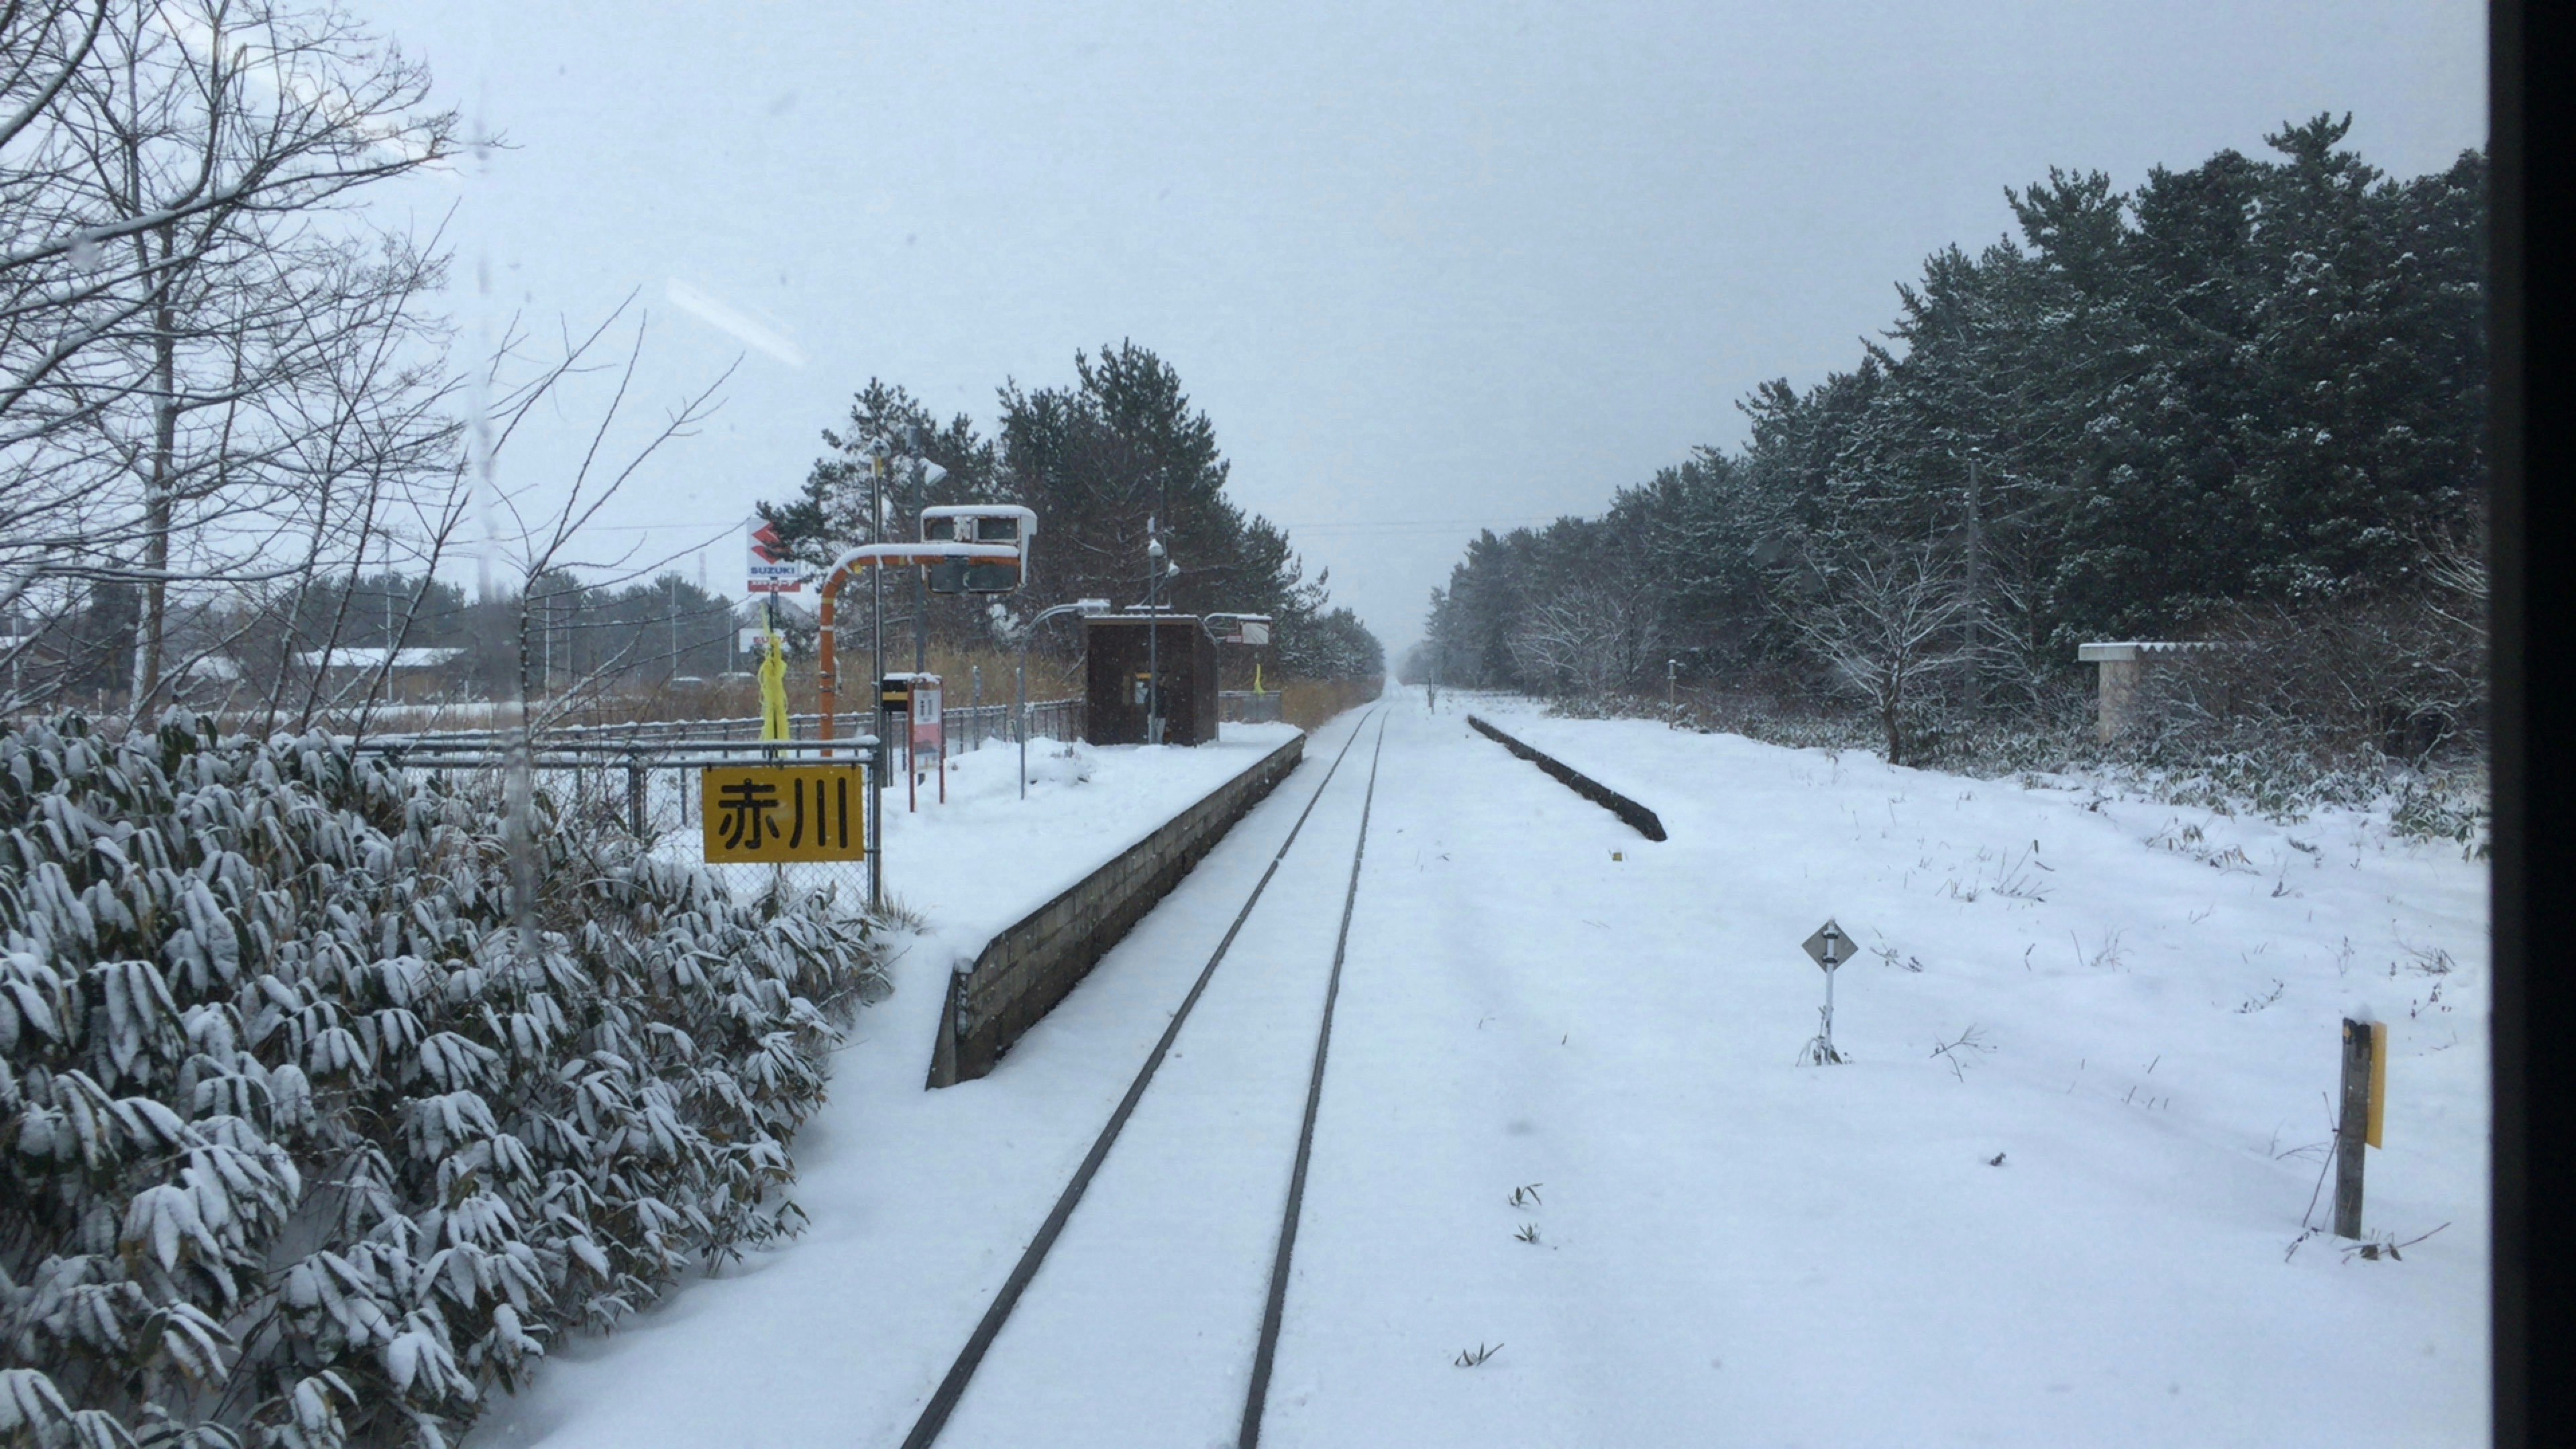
{"points": [[1830, 946]]}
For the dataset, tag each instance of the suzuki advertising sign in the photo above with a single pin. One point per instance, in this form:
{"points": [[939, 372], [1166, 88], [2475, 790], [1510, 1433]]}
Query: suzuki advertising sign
{"points": [[770, 570]]}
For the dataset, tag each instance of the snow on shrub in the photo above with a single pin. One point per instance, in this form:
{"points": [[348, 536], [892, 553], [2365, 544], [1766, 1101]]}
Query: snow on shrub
{"points": [[308, 1140]]}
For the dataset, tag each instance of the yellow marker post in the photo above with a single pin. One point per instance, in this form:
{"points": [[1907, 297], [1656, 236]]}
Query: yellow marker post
{"points": [[784, 814], [2378, 1082], [2365, 1091], [773, 688]]}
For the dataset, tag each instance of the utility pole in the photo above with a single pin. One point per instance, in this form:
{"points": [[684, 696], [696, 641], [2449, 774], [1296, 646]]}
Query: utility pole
{"points": [[876, 677], [876, 589], [1976, 569], [389, 611]]}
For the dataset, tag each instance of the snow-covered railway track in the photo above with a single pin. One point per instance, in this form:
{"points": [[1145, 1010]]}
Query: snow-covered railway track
{"points": [[1130, 1246]]}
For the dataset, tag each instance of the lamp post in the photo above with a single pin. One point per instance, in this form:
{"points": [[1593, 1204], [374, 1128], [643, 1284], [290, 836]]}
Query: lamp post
{"points": [[925, 475], [1153, 636], [877, 451], [1084, 607], [1153, 641]]}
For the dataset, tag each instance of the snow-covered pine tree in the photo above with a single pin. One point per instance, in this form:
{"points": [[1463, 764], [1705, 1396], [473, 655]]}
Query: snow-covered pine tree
{"points": [[2250, 388]]}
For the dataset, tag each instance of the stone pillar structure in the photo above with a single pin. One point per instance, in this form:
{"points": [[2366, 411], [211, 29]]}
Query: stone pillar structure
{"points": [[2116, 690]]}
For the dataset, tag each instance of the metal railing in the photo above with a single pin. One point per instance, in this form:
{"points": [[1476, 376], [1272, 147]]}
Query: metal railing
{"points": [[976, 726], [969, 727], [1246, 706]]}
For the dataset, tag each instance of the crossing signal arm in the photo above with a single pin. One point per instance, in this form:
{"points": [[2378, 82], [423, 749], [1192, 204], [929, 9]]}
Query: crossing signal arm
{"points": [[966, 549], [1251, 629]]}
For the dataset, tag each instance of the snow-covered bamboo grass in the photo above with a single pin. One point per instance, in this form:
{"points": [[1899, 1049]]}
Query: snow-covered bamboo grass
{"points": [[302, 1147]]}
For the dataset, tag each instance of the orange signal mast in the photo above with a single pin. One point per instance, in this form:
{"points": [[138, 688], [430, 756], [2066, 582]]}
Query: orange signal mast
{"points": [[969, 549]]}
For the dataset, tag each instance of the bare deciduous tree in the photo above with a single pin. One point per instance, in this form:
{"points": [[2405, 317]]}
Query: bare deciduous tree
{"points": [[542, 545], [205, 355], [1592, 637], [1886, 621]]}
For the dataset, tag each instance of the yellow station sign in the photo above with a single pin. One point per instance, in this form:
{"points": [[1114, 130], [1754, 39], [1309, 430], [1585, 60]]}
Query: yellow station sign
{"points": [[781, 814]]}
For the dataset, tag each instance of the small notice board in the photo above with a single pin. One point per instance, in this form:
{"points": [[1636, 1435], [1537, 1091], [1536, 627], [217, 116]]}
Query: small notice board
{"points": [[929, 730], [782, 814]]}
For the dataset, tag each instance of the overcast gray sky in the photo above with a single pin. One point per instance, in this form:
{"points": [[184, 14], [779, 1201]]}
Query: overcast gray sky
{"points": [[1428, 267]]}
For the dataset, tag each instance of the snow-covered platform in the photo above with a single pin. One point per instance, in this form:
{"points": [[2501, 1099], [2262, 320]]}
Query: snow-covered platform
{"points": [[975, 863]]}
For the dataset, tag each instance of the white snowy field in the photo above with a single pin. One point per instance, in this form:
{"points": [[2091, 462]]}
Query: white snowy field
{"points": [[1737, 1250], [2081, 1235]]}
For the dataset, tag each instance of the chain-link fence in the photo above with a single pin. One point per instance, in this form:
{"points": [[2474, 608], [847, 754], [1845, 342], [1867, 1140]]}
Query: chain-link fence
{"points": [[647, 777], [646, 780]]}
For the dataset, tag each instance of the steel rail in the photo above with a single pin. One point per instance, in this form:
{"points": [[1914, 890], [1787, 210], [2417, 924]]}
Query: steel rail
{"points": [[952, 1387], [1275, 1307]]}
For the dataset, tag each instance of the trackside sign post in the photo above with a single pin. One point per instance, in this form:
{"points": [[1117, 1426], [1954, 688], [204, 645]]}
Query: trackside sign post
{"points": [[1830, 946], [784, 814]]}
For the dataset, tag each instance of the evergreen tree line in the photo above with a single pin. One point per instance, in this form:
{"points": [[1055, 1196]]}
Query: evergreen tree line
{"points": [[2243, 403], [1098, 460]]}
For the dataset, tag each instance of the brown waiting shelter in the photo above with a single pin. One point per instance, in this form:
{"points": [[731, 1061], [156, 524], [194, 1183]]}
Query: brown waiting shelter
{"points": [[1120, 650]]}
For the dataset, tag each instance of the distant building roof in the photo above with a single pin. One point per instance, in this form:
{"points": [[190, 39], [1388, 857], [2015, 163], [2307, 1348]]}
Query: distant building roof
{"points": [[375, 658]]}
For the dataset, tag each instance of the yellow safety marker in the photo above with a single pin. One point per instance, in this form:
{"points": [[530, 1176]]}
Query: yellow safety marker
{"points": [[2378, 1083], [773, 686], [783, 814]]}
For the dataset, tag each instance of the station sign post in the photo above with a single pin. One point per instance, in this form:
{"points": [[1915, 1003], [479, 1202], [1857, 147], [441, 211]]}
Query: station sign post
{"points": [[783, 814], [929, 733]]}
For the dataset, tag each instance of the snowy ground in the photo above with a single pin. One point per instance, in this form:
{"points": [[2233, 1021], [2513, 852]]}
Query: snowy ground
{"points": [[2082, 1235]]}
